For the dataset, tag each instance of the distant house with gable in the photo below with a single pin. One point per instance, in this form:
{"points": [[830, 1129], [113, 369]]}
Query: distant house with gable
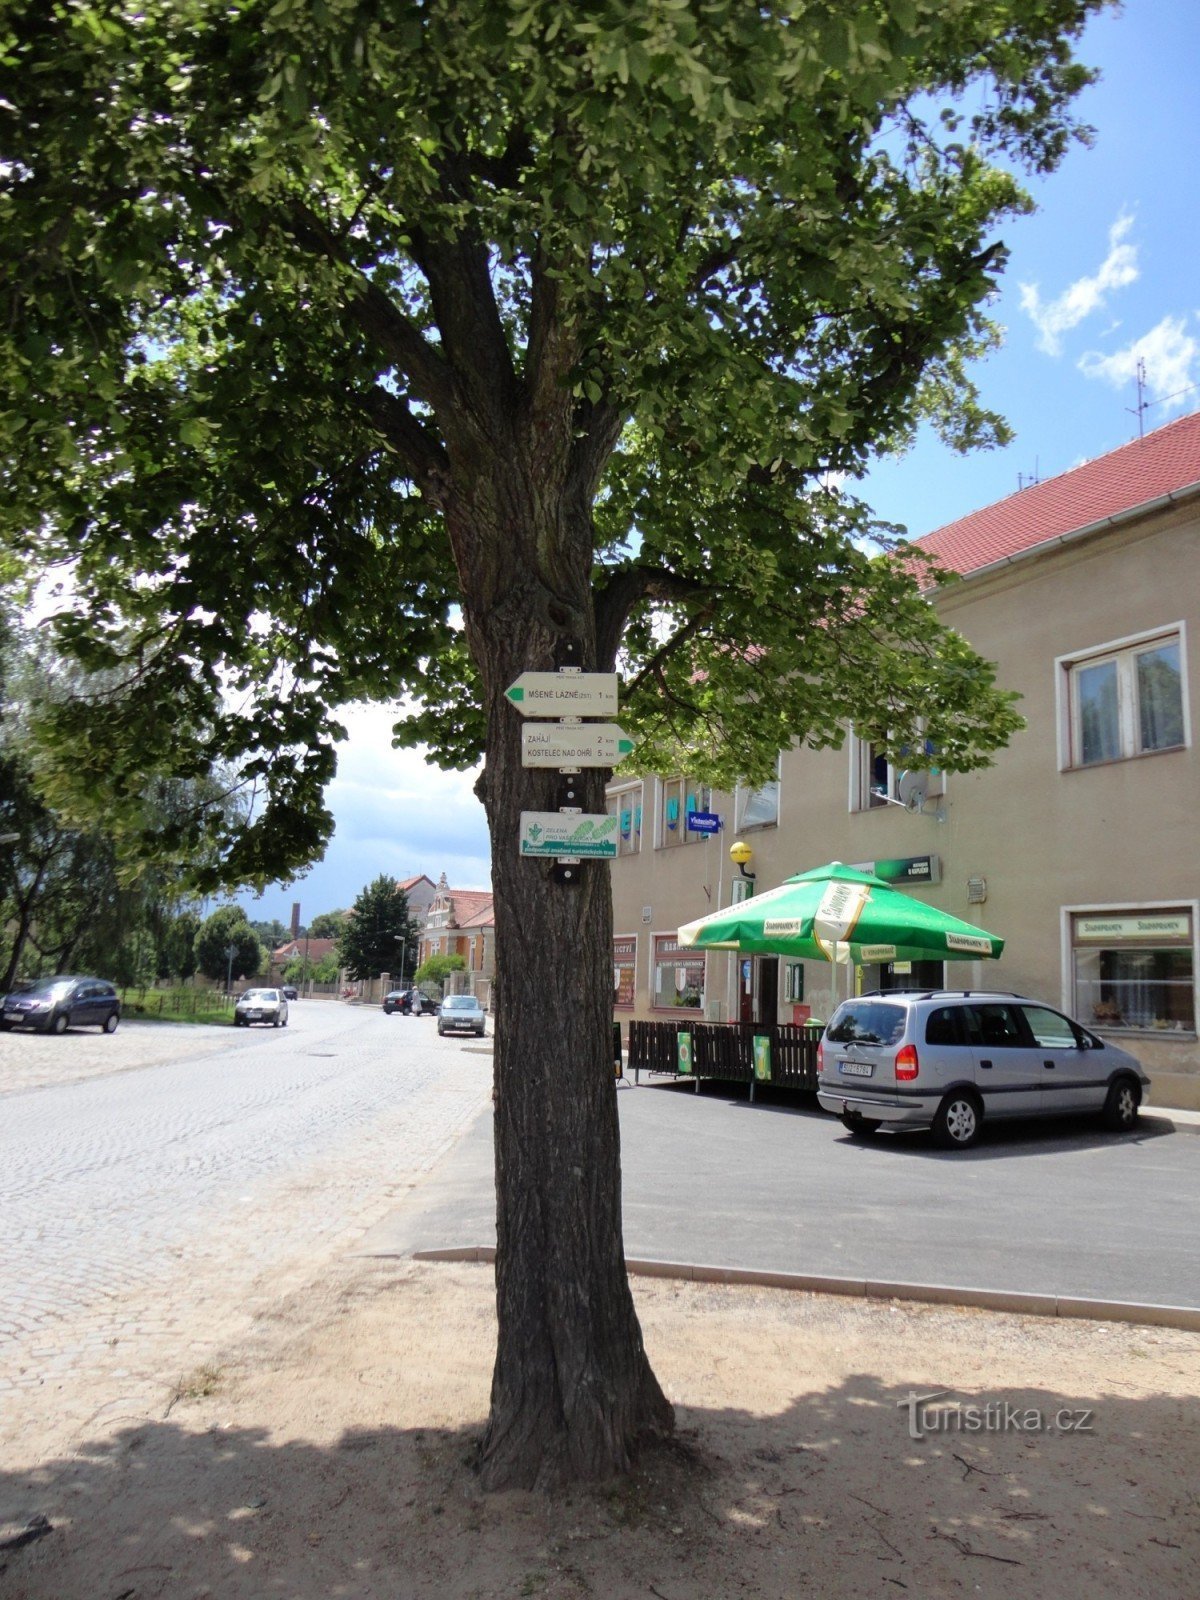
{"points": [[461, 922]]}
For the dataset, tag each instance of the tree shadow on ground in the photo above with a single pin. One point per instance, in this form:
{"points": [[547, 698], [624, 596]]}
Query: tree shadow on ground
{"points": [[829, 1495]]}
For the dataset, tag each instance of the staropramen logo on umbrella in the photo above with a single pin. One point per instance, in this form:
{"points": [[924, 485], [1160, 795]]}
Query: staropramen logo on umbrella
{"points": [[837, 915]]}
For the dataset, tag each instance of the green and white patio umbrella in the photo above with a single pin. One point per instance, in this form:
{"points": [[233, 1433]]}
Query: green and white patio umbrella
{"points": [[837, 913]]}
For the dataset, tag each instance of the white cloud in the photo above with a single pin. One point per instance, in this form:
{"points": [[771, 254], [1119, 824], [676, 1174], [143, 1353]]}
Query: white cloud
{"points": [[1053, 318], [395, 814], [1170, 354]]}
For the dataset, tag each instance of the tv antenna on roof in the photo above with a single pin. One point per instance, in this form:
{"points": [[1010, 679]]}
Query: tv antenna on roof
{"points": [[1143, 404]]}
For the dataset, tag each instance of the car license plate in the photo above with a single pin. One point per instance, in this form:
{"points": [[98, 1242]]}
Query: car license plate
{"points": [[856, 1069]]}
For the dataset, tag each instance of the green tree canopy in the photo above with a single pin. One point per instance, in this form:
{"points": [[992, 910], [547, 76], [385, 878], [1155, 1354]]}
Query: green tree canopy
{"points": [[324, 318], [327, 925], [436, 969], [326, 970], [380, 934], [226, 931]]}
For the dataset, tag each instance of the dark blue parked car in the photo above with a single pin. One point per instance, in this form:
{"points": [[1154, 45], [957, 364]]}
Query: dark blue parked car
{"points": [[56, 1004]]}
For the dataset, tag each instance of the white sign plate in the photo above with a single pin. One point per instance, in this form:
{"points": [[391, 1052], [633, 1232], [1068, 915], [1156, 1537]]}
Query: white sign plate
{"points": [[565, 694], [584, 744], [568, 833]]}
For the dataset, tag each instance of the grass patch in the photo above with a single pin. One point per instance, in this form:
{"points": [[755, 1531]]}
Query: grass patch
{"points": [[203, 1006]]}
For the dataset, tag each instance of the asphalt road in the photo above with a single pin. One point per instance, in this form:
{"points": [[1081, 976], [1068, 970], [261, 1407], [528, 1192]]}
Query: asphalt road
{"points": [[1049, 1208]]}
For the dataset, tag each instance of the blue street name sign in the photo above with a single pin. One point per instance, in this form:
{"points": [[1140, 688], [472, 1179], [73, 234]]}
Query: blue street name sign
{"points": [[703, 822]]}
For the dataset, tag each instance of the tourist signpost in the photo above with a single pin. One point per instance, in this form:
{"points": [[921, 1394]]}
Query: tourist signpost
{"points": [[568, 836]]}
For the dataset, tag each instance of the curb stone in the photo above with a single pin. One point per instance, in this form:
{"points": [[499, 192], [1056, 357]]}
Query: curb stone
{"points": [[1013, 1301]]}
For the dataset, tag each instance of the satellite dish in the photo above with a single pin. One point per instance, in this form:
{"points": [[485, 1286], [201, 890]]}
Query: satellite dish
{"points": [[911, 789]]}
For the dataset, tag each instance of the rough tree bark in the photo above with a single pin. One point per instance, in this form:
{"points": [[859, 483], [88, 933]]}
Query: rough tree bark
{"points": [[572, 1390]]}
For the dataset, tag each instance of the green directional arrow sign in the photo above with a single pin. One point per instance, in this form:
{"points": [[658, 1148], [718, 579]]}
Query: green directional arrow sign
{"points": [[580, 744], [565, 694]]}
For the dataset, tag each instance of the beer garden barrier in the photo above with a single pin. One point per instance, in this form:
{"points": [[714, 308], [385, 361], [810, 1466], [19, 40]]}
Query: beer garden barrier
{"points": [[781, 1054]]}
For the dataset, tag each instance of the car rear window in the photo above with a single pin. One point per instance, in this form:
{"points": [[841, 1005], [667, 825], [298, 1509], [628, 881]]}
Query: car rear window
{"points": [[867, 1022]]}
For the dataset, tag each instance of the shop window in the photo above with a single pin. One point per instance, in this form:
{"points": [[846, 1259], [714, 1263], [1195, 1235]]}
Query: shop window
{"points": [[793, 982], [1135, 970], [626, 806], [624, 971], [1125, 702], [680, 798], [678, 975]]}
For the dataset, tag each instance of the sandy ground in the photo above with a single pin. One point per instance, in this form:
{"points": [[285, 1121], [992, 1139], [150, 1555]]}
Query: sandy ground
{"points": [[330, 1455]]}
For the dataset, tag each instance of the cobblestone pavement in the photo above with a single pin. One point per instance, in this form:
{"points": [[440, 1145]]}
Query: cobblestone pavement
{"points": [[47, 1060], [151, 1216]]}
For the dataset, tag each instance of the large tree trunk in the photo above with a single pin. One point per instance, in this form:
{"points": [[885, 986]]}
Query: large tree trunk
{"points": [[572, 1390]]}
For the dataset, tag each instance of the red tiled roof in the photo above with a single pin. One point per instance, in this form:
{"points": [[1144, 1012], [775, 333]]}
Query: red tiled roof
{"points": [[465, 904], [485, 918], [318, 949], [411, 883], [1164, 461]]}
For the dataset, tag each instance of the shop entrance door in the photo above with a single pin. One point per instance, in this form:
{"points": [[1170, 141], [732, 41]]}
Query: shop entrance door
{"points": [[758, 988], [768, 989]]}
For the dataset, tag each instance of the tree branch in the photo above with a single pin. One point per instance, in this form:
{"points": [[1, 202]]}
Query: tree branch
{"points": [[429, 378], [624, 588], [668, 648], [420, 451]]}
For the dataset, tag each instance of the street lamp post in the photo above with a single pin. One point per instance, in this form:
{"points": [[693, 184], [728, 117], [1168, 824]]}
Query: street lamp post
{"points": [[231, 950]]}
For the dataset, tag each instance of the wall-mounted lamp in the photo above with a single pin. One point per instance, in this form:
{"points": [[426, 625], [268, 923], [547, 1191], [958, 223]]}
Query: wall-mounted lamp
{"points": [[739, 854]]}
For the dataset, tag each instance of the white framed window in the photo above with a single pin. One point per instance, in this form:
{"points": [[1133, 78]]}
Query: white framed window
{"points": [[876, 782], [1133, 968], [679, 798], [626, 805], [757, 808], [1124, 699]]}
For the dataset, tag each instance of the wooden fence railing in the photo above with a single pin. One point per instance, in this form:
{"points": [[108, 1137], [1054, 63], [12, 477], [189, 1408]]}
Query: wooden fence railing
{"points": [[726, 1050]]}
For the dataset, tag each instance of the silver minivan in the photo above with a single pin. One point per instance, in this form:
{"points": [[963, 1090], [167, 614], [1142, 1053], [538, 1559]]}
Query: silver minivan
{"points": [[949, 1060]]}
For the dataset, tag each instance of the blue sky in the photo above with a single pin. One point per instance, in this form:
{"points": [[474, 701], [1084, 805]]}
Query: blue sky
{"points": [[1104, 272]]}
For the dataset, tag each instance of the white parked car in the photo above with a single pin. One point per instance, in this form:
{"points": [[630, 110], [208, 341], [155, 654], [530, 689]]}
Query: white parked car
{"points": [[461, 1013], [261, 1005]]}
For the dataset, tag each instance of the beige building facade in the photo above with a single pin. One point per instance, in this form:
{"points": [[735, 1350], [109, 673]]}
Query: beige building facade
{"points": [[1080, 846]]}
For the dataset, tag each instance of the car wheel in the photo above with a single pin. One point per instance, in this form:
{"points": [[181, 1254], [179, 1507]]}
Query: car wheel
{"points": [[285, 1022], [859, 1127], [110, 1022], [59, 1022], [1121, 1107], [956, 1125], [275, 1022]]}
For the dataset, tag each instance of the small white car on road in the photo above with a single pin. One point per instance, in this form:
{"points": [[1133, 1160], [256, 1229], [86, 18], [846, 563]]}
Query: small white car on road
{"points": [[261, 1005]]}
